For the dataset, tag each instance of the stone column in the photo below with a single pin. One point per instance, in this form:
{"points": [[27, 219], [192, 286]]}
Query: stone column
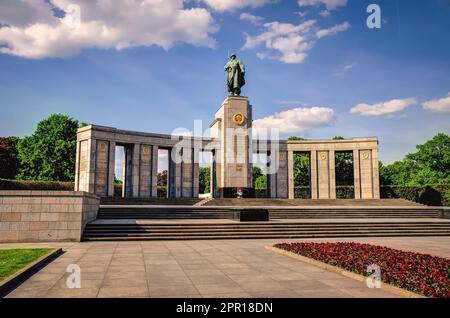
{"points": [[232, 123], [282, 176], [187, 173], [313, 174], [174, 177], [111, 167], [291, 183], [332, 173], [77, 166], [145, 172], [273, 165], [136, 169], [196, 172], [216, 173], [83, 166], [375, 174], [92, 153], [154, 171], [323, 175], [128, 171], [356, 174], [365, 165]]}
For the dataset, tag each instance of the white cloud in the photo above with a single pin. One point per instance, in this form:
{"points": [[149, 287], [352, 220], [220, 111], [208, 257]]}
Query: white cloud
{"points": [[329, 4], [251, 18], [295, 120], [333, 30], [349, 66], [385, 108], [286, 42], [230, 5], [325, 13], [342, 72], [25, 12], [183, 132], [438, 105], [104, 24]]}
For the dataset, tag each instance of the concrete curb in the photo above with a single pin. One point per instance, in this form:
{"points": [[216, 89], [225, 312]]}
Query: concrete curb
{"points": [[10, 283], [387, 287]]}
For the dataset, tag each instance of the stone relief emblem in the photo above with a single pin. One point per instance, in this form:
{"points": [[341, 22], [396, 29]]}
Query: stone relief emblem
{"points": [[238, 118]]}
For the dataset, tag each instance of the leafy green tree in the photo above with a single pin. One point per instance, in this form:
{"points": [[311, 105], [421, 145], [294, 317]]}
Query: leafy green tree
{"points": [[293, 138], [162, 179], [259, 179], [301, 169], [257, 172], [9, 161], [430, 164], [260, 183], [49, 154], [204, 180]]}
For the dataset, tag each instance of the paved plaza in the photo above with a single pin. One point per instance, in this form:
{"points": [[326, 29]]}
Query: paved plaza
{"points": [[227, 268]]}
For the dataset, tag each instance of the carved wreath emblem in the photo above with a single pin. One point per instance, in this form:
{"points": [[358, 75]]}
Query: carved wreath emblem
{"points": [[238, 119], [323, 156]]}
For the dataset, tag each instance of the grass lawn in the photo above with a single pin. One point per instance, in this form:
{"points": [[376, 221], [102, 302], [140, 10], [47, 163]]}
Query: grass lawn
{"points": [[12, 260]]}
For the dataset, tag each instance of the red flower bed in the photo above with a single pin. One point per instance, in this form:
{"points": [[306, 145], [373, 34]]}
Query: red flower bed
{"points": [[420, 273]]}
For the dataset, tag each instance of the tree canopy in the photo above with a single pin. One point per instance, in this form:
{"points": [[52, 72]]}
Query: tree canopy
{"points": [[430, 164], [49, 153], [9, 161], [204, 180]]}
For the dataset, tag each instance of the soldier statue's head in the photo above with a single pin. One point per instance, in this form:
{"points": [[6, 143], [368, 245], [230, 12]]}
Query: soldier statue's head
{"points": [[232, 56]]}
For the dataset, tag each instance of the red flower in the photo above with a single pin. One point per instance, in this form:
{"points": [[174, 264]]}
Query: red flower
{"points": [[420, 273]]}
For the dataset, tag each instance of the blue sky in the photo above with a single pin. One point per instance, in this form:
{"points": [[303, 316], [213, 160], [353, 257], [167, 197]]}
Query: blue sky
{"points": [[308, 83]]}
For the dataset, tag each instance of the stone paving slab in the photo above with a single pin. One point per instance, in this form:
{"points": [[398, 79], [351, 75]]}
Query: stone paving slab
{"points": [[188, 269]]}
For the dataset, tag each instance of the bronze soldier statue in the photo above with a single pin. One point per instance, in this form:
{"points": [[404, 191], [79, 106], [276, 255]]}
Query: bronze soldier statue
{"points": [[235, 75]]}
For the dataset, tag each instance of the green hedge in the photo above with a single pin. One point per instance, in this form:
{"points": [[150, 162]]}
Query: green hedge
{"points": [[162, 191], [261, 193], [35, 185], [345, 192], [437, 195], [302, 193]]}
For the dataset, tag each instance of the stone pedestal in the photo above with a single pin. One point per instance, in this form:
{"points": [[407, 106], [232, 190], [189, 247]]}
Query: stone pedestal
{"points": [[232, 126]]}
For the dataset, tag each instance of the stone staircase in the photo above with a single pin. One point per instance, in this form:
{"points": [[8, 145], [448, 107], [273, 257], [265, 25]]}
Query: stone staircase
{"points": [[260, 230], [281, 212], [183, 220]]}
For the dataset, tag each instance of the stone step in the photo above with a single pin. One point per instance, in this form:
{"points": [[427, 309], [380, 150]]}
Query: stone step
{"points": [[273, 214], [172, 231], [269, 226], [261, 232], [278, 236]]}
